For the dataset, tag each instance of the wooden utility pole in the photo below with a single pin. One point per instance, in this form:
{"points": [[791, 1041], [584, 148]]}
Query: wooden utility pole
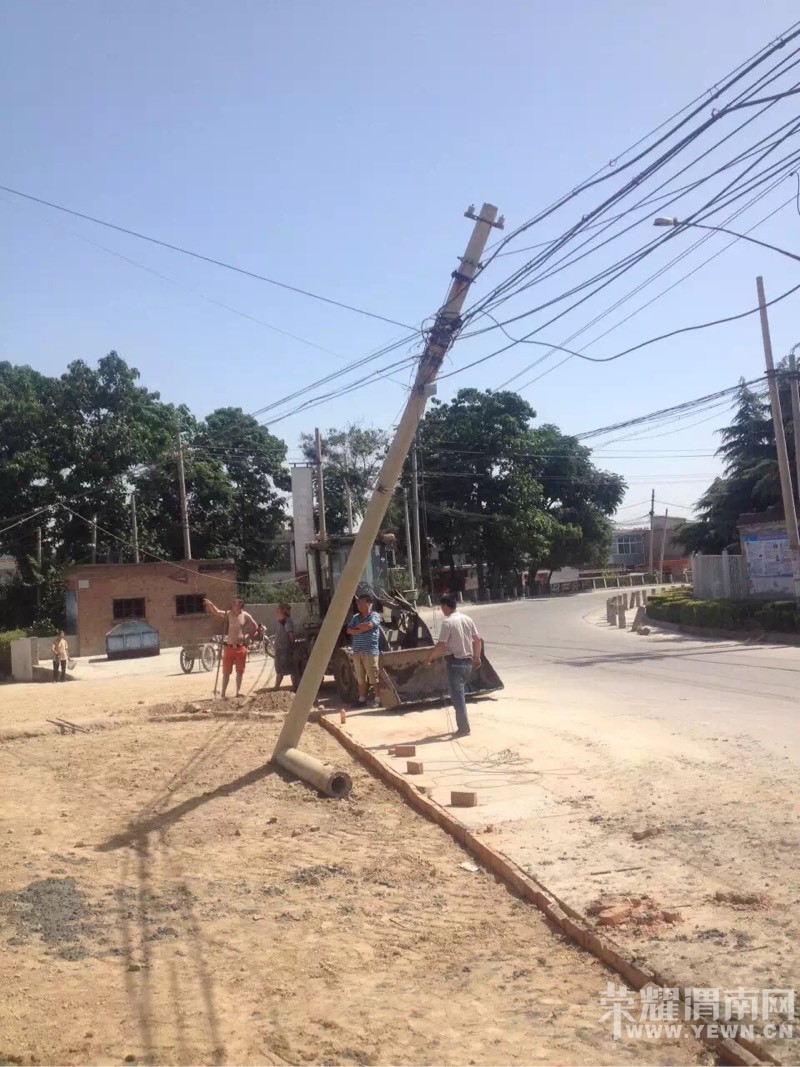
{"points": [[409, 549], [187, 541], [415, 516], [439, 340], [663, 547], [134, 529], [39, 562], [789, 511], [652, 531], [794, 389], [323, 528]]}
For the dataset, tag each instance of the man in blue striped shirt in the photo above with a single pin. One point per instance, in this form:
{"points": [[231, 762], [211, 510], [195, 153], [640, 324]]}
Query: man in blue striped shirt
{"points": [[365, 630]]}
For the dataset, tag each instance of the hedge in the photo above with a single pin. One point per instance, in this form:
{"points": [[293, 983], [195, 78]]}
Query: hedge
{"points": [[779, 616]]}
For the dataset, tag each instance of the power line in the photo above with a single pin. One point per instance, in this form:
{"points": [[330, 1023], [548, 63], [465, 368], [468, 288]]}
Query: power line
{"points": [[633, 348], [204, 258]]}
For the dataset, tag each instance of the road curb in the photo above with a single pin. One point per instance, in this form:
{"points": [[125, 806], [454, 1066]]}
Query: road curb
{"points": [[570, 922]]}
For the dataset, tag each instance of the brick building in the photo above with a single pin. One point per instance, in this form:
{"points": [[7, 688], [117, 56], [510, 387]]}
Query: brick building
{"points": [[167, 596]]}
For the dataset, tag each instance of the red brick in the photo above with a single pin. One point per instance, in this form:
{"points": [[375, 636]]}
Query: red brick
{"points": [[463, 799], [619, 913], [413, 767], [405, 750]]}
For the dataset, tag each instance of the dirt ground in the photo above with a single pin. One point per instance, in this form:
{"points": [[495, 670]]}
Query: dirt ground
{"points": [[168, 897], [604, 773]]}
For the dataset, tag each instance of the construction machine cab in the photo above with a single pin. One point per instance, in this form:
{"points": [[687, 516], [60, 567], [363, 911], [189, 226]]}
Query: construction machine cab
{"points": [[405, 638]]}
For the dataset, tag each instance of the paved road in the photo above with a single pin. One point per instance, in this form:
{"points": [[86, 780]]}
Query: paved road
{"points": [[600, 733]]}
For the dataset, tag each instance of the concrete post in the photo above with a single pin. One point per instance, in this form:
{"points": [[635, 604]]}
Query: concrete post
{"points": [[621, 619], [726, 574]]}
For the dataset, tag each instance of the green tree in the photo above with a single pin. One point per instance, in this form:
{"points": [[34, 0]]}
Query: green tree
{"points": [[351, 458], [750, 480], [235, 473], [78, 445], [507, 494]]}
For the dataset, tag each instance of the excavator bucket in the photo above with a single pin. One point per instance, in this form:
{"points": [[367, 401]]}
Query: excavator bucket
{"points": [[406, 681]]}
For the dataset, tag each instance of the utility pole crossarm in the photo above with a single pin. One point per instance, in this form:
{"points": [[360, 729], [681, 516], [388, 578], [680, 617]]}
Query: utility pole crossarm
{"points": [[439, 339]]}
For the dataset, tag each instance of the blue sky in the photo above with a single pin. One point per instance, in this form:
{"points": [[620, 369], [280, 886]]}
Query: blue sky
{"points": [[335, 147]]}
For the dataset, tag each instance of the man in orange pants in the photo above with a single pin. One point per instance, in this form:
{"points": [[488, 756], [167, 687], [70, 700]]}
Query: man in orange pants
{"points": [[238, 625]]}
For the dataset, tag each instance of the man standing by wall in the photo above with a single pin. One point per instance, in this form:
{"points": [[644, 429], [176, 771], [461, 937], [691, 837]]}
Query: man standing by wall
{"points": [[238, 624], [365, 630], [60, 650], [460, 644]]}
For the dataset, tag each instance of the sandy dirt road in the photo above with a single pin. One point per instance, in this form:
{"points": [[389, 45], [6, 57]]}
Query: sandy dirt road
{"points": [[168, 898], [600, 736]]}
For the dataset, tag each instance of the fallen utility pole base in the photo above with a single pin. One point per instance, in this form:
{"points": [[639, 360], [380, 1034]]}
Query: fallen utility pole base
{"points": [[331, 782]]}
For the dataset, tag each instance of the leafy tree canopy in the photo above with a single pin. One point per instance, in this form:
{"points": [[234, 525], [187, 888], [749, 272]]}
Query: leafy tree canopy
{"points": [[750, 481]]}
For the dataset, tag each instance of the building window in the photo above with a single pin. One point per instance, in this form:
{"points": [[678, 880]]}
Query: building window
{"points": [[630, 545], [189, 605], [129, 608]]}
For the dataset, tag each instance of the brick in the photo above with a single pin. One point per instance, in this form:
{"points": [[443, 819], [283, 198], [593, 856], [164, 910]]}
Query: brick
{"points": [[615, 916], [343, 716], [463, 799], [413, 767], [405, 750]]}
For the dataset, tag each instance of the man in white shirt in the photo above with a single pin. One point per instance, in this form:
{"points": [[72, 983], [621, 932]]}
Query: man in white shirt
{"points": [[460, 644]]}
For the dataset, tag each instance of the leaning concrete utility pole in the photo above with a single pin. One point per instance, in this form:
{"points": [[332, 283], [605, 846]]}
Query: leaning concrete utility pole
{"points": [[439, 340], [794, 388], [187, 543], [780, 443], [415, 516]]}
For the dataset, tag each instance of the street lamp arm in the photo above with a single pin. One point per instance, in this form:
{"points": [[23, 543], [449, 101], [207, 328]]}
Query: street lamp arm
{"points": [[677, 224]]}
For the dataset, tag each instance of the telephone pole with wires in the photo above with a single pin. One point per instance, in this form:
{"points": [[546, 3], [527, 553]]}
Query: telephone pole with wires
{"points": [[439, 339], [187, 542], [794, 387], [323, 526], [134, 529], [39, 562], [789, 511], [652, 517]]}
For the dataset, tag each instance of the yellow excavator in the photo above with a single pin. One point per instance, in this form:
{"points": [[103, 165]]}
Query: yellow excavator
{"points": [[405, 639]]}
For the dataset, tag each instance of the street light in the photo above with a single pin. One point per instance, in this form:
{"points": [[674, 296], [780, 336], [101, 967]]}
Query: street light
{"points": [[663, 220]]}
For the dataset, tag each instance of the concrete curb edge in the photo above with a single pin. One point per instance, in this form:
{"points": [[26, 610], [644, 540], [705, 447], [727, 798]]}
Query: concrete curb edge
{"points": [[566, 919]]}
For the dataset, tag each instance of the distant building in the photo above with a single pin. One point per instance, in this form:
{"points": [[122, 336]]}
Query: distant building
{"points": [[630, 547], [168, 596]]}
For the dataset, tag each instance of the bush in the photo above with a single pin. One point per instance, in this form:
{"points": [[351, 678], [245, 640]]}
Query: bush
{"points": [[781, 616], [6, 637], [778, 616]]}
